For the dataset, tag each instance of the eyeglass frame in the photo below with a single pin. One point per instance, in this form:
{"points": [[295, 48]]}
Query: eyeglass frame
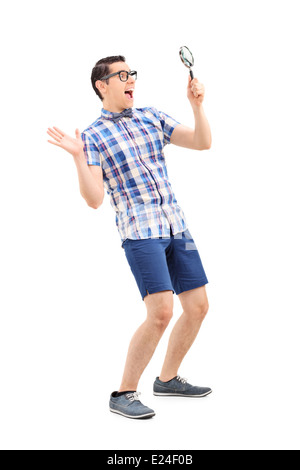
{"points": [[132, 72]]}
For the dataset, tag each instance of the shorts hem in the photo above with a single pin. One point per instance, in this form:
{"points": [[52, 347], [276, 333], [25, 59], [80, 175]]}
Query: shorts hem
{"points": [[193, 286], [160, 289]]}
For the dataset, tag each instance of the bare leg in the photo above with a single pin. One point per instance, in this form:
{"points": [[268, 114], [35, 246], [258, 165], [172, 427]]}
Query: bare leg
{"points": [[195, 305], [146, 338]]}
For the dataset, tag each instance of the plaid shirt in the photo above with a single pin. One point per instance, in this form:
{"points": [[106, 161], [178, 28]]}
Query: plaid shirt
{"points": [[130, 153]]}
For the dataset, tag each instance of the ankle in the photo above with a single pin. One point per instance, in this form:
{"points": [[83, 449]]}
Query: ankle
{"points": [[167, 378], [125, 388]]}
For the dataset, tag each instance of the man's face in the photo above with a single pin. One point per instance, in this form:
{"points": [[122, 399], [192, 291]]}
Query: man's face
{"points": [[117, 95]]}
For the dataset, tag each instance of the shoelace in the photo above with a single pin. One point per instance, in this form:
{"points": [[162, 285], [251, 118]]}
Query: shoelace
{"points": [[181, 379], [133, 396]]}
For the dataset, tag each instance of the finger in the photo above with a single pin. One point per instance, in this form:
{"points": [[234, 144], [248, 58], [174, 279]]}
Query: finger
{"points": [[197, 85], [54, 132], [59, 131], [54, 135], [198, 90], [54, 143]]}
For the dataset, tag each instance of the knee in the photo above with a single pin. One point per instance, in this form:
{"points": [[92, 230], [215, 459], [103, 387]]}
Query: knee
{"points": [[199, 311], [162, 317]]}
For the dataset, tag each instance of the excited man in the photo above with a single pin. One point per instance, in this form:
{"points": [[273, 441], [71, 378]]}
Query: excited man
{"points": [[122, 153]]}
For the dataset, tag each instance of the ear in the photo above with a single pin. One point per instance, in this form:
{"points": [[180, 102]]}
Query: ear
{"points": [[101, 86]]}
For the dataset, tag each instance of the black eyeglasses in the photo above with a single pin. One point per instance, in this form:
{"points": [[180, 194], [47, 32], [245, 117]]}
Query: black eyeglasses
{"points": [[123, 75]]}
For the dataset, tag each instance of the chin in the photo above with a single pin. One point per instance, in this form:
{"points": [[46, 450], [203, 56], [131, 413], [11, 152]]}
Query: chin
{"points": [[129, 103]]}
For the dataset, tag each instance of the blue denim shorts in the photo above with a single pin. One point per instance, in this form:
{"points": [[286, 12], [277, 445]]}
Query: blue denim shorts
{"points": [[165, 263]]}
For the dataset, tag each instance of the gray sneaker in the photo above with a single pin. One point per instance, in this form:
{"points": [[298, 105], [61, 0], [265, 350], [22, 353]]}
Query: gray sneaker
{"points": [[178, 387], [129, 405]]}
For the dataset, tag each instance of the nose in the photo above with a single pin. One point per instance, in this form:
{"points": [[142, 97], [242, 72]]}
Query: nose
{"points": [[130, 80]]}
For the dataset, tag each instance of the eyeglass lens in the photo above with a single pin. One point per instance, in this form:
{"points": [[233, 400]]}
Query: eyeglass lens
{"points": [[124, 76]]}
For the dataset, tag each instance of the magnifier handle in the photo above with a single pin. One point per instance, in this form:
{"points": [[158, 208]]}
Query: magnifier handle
{"points": [[191, 74]]}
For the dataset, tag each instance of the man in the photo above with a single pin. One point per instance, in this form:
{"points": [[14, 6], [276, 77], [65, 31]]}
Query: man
{"points": [[122, 151]]}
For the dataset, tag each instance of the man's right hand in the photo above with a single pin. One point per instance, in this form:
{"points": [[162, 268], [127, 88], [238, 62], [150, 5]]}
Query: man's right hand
{"points": [[71, 145]]}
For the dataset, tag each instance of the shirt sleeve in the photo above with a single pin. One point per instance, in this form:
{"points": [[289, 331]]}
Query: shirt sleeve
{"points": [[91, 151], [168, 124]]}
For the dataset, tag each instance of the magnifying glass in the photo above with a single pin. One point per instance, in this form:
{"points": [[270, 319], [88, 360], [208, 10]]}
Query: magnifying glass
{"points": [[187, 58]]}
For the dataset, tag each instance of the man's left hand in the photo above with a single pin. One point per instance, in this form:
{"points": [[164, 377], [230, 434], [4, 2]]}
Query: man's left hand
{"points": [[195, 92]]}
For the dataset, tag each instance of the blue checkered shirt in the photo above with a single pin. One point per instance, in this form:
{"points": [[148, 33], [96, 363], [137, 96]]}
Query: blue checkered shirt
{"points": [[130, 153]]}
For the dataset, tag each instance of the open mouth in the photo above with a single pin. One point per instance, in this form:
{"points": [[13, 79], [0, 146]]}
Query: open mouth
{"points": [[129, 93]]}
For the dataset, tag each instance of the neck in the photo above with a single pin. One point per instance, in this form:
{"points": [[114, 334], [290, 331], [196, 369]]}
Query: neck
{"points": [[112, 108]]}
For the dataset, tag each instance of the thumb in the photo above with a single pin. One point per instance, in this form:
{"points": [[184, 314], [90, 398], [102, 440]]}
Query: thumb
{"points": [[77, 133]]}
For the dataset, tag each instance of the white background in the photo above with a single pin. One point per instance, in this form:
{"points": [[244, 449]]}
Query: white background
{"points": [[69, 302]]}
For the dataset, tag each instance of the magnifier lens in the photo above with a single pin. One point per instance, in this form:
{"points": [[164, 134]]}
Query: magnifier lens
{"points": [[187, 56], [187, 59]]}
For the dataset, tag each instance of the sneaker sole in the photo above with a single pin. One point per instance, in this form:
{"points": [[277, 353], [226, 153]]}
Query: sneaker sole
{"points": [[181, 395], [145, 416]]}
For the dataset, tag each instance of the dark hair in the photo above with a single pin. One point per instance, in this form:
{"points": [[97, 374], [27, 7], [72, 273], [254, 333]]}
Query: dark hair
{"points": [[102, 68]]}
